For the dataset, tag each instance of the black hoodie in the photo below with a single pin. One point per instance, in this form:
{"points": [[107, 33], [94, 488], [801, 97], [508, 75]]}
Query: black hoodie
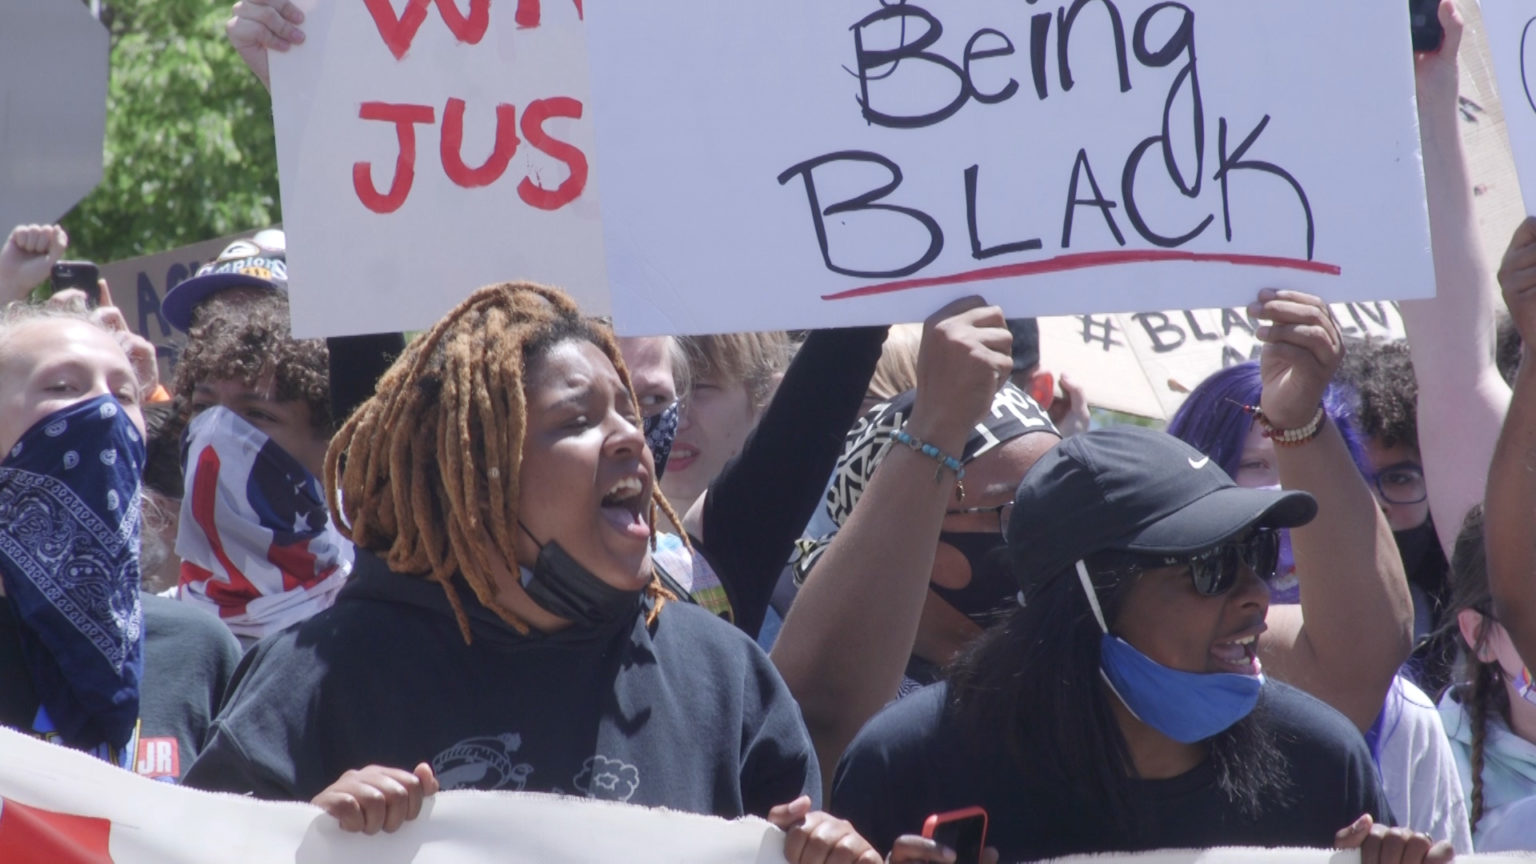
{"points": [[687, 713]]}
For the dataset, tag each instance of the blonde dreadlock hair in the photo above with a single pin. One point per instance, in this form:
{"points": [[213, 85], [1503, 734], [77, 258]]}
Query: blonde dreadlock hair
{"points": [[426, 473]]}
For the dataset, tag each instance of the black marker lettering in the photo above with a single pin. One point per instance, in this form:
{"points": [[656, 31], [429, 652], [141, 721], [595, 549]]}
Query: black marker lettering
{"points": [[971, 176], [1235, 162], [868, 201], [1098, 200]]}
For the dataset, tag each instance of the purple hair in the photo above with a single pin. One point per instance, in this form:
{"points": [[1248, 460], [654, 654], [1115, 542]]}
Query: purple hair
{"points": [[1212, 421]]}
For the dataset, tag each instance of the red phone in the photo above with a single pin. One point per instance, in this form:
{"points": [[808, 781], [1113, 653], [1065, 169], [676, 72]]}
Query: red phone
{"points": [[964, 831]]}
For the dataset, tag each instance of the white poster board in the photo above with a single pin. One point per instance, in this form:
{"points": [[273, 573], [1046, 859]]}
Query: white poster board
{"points": [[814, 163], [428, 147], [1511, 30]]}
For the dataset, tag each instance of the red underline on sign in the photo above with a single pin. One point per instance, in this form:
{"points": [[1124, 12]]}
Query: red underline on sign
{"points": [[1083, 261]]}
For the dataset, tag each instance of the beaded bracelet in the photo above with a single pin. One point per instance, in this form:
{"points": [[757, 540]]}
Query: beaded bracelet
{"points": [[1287, 437], [1299, 435], [944, 459]]}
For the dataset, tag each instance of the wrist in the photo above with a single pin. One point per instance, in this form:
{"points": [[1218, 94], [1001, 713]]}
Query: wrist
{"points": [[1293, 435], [941, 431], [947, 464]]}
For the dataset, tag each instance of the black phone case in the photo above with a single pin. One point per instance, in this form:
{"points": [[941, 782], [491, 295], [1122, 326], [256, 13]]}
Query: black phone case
{"points": [[1424, 17]]}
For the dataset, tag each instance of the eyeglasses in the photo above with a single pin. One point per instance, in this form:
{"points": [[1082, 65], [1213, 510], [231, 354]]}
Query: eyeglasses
{"points": [[1215, 570], [1004, 512], [1401, 484]]}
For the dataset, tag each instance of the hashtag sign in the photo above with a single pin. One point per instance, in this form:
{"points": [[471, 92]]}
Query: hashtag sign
{"points": [[1100, 330]]}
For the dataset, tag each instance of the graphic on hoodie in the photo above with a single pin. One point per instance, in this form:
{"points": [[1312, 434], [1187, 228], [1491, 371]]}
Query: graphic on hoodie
{"points": [[483, 763], [608, 779]]}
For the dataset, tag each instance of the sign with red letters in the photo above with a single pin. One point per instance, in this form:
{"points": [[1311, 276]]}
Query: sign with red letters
{"points": [[427, 147]]}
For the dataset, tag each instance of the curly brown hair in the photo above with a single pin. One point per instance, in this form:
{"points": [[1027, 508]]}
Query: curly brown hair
{"points": [[426, 474], [247, 338], [1381, 374]]}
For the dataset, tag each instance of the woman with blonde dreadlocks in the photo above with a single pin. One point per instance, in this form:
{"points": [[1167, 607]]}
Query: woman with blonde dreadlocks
{"points": [[503, 628]]}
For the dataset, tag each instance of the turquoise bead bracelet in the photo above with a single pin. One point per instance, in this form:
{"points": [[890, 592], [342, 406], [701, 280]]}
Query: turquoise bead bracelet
{"points": [[944, 459]]}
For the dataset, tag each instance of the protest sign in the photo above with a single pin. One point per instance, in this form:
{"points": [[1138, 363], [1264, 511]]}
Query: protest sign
{"points": [[829, 162], [1511, 33], [427, 148], [1495, 185], [57, 805], [1147, 362]]}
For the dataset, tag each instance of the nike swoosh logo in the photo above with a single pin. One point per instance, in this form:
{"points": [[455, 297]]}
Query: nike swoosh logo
{"points": [[1197, 464]]}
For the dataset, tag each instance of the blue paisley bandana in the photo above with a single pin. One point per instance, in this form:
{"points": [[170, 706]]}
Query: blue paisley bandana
{"points": [[69, 550], [660, 432]]}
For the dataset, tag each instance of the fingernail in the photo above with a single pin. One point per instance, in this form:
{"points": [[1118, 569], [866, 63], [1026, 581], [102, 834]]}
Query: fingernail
{"points": [[296, 36], [1254, 309], [1262, 332]]}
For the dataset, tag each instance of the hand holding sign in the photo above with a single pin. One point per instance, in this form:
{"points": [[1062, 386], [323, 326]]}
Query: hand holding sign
{"points": [[1302, 350], [257, 26], [965, 355]]}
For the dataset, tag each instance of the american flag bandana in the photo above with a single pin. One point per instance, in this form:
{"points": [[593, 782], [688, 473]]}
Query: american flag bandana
{"points": [[256, 542]]}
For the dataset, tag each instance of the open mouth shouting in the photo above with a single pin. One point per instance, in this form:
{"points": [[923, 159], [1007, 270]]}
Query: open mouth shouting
{"points": [[625, 506], [1239, 654]]}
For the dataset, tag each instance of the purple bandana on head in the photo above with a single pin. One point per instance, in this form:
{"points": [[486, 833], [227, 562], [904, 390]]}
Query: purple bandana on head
{"points": [[69, 556]]}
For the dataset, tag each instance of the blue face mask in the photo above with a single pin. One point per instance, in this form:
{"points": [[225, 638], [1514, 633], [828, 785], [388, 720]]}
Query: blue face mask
{"points": [[1185, 706]]}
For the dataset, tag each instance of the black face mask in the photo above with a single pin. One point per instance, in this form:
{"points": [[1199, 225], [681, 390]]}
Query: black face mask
{"points": [[565, 588], [1423, 560], [992, 586]]}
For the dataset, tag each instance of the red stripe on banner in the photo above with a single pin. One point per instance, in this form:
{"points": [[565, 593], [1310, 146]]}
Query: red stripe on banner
{"points": [[1084, 261], [232, 597], [29, 835]]}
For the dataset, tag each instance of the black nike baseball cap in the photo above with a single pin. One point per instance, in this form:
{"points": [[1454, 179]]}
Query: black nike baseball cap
{"points": [[1131, 489]]}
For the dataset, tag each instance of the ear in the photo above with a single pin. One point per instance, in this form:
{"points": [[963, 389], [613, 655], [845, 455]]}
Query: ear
{"points": [[1471, 623], [1042, 387]]}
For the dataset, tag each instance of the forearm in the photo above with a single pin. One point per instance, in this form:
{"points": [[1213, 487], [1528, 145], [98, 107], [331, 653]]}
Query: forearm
{"points": [[1357, 614], [1451, 338], [759, 505], [847, 638], [1508, 519]]}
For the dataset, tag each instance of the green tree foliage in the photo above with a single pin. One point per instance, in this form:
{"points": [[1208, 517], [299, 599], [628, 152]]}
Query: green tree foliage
{"points": [[190, 150]]}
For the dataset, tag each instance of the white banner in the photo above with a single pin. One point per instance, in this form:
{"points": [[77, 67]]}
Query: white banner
{"points": [[1511, 29], [828, 162], [63, 807], [428, 147]]}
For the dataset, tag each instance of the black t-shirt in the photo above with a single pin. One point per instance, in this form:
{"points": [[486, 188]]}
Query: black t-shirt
{"points": [[687, 713], [911, 761]]}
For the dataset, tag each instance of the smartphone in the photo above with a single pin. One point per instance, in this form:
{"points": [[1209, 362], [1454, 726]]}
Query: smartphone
{"points": [[78, 274], [964, 831], [1424, 15]]}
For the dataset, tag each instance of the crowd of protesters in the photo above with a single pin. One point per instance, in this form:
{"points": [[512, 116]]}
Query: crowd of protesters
{"points": [[843, 582]]}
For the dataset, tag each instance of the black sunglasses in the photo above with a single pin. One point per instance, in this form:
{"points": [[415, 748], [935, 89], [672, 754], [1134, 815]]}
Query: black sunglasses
{"points": [[1215, 570]]}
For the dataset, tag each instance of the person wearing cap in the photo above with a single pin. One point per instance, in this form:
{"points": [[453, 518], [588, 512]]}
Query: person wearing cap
{"points": [[255, 265], [1122, 704]]}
